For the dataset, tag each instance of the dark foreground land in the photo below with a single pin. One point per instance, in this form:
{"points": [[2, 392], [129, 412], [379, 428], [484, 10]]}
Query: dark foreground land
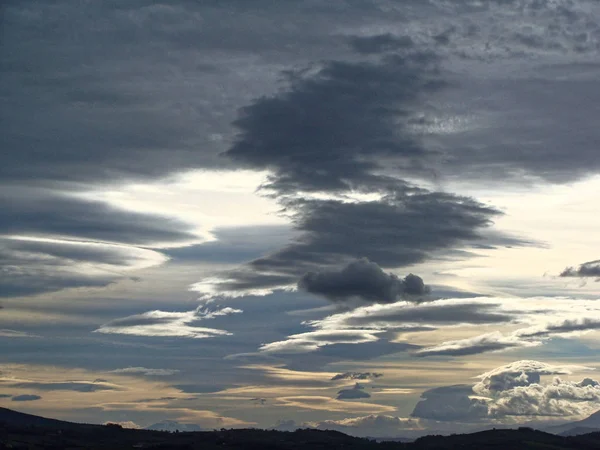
{"points": [[40, 433]]}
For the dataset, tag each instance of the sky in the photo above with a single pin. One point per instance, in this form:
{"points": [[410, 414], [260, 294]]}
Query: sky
{"points": [[374, 216]]}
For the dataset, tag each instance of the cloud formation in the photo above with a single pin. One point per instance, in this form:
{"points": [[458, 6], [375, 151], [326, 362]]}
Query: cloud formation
{"points": [[356, 376], [590, 269], [451, 403], [339, 151], [513, 390], [355, 392], [25, 398], [169, 324], [490, 342], [362, 280]]}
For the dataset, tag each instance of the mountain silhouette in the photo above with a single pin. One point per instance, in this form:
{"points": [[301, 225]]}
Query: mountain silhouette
{"points": [[26, 431]]}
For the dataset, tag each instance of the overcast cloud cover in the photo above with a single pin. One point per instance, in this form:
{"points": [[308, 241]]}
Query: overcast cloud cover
{"points": [[372, 216]]}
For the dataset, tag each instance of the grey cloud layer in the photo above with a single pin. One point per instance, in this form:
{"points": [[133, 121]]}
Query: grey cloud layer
{"points": [[50, 241]]}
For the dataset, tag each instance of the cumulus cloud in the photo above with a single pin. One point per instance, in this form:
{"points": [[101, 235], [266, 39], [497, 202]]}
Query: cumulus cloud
{"points": [[356, 376], [590, 269], [518, 373], [513, 390], [357, 391], [169, 324], [362, 280]]}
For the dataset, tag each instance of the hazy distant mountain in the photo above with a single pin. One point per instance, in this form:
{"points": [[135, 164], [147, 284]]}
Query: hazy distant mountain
{"points": [[173, 426], [587, 425], [576, 431]]}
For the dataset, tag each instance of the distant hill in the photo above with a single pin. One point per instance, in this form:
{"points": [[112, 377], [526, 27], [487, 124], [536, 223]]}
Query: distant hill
{"points": [[587, 425], [25, 431], [173, 426], [15, 418], [576, 431]]}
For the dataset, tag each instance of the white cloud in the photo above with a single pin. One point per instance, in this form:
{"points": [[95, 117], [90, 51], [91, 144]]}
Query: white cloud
{"points": [[168, 324]]}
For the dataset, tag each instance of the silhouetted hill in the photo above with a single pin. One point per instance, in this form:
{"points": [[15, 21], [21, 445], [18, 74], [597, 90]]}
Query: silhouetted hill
{"points": [[15, 418], [25, 431]]}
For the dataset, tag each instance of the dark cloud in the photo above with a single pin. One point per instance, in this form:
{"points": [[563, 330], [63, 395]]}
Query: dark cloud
{"points": [[331, 131], [340, 129], [355, 392], [363, 280], [527, 137], [380, 43], [397, 231], [585, 270], [356, 376], [25, 398], [35, 212], [51, 240], [36, 265]]}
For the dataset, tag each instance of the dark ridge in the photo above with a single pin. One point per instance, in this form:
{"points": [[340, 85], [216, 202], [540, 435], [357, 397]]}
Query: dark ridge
{"points": [[26, 431]]}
